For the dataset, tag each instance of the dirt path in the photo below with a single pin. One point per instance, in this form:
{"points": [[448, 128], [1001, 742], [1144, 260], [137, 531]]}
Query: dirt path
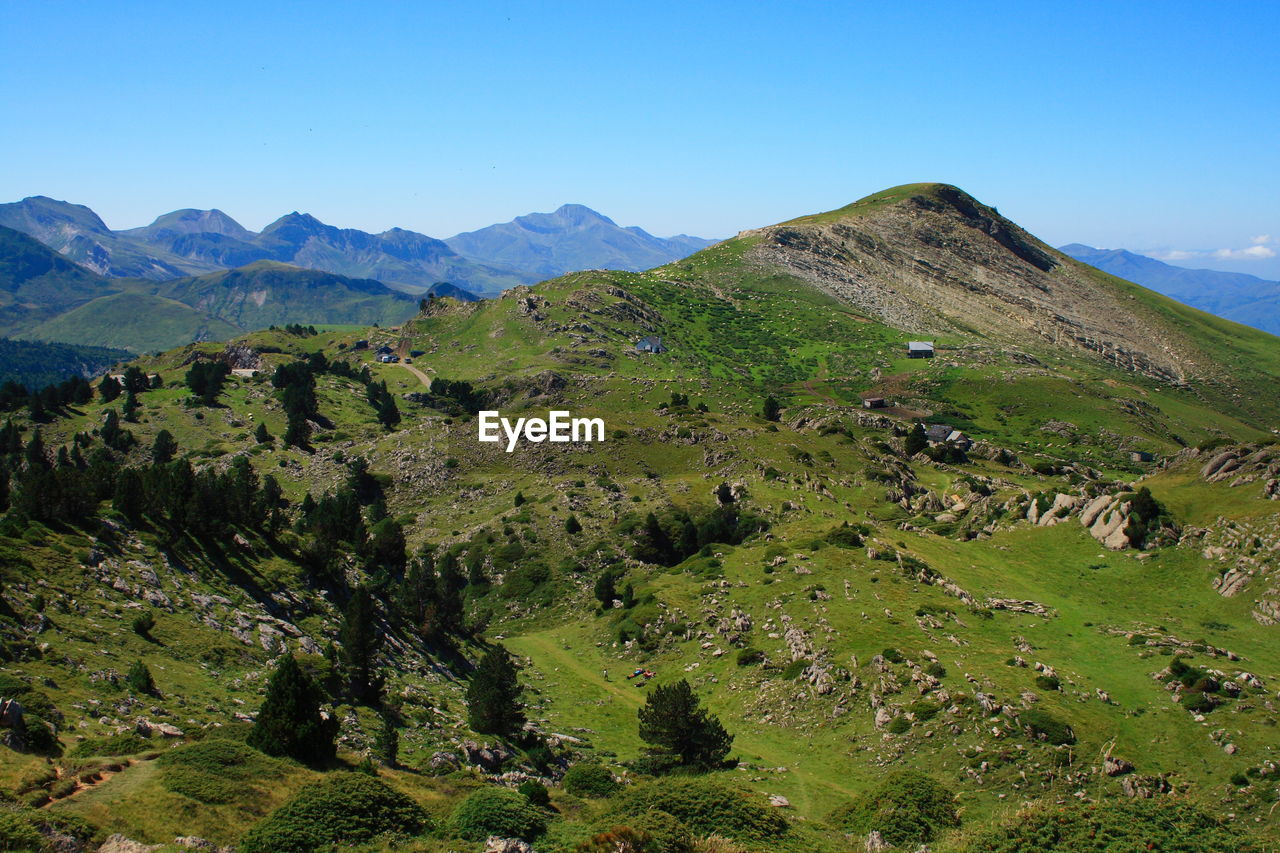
{"points": [[426, 380], [81, 786]]}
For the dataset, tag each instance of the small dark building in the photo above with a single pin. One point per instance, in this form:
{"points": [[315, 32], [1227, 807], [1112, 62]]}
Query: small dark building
{"points": [[938, 433], [1142, 456], [361, 344], [874, 403], [650, 343], [920, 349], [383, 350]]}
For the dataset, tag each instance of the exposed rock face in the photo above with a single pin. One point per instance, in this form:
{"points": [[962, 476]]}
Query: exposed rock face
{"points": [[929, 257], [1113, 766]]}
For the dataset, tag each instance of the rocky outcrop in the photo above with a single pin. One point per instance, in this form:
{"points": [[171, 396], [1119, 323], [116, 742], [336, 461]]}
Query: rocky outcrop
{"points": [[931, 258]]}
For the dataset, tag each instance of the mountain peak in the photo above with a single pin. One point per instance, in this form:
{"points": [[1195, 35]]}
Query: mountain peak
{"points": [[190, 220], [578, 214]]}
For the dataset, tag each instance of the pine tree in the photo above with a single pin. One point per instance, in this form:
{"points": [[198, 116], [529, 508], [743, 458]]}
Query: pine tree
{"points": [[493, 695], [519, 500], [359, 637], [772, 410], [261, 435], [34, 453], [449, 607], [109, 388], [129, 499], [572, 526], [387, 742], [388, 412], [164, 447], [270, 500], [139, 679], [917, 440], [606, 589], [289, 722], [675, 723], [298, 432]]}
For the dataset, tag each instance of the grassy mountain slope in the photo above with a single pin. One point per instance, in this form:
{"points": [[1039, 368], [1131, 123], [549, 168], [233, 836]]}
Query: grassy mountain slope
{"points": [[133, 320], [36, 282], [925, 644], [267, 293]]}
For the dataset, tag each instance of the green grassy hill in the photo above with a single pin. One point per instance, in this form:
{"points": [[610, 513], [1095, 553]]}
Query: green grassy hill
{"points": [[845, 606]]}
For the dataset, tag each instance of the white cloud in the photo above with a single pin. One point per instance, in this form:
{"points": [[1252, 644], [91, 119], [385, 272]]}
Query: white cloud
{"points": [[1259, 251], [1253, 253]]}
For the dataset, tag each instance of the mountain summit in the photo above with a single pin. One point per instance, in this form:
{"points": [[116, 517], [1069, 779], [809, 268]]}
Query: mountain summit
{"points": [[572, 237], [931, 259]]}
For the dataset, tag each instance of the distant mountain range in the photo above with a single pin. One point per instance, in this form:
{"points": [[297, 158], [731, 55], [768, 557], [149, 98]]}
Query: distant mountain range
{"points": [[485, 262], [1244, 298], [43, 296], [572, 238]]}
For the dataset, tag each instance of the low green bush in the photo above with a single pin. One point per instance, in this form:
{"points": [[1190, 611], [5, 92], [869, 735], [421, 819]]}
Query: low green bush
{"points": [[19, 834], [536, 793], [589, 780], [217, 772], [908, 808], [706, 805], [652, 831], [1165, 824], [342, 809], [1044, 726], [497, 811]]}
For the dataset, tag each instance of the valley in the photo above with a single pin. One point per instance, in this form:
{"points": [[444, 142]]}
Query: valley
{"points": [[1063, 610]]}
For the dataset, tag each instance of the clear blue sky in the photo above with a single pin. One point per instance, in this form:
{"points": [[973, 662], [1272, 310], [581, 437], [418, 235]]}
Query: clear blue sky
{"points": [[1144, 125]]}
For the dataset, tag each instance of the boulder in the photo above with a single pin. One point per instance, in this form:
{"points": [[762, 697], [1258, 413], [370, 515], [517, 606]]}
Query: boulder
{"points": [[1113, 766], [494, 844], [119, 844]]}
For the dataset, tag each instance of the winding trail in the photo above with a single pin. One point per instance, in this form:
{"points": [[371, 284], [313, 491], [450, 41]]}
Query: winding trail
{"points": [[81, 786], [426, 380]]}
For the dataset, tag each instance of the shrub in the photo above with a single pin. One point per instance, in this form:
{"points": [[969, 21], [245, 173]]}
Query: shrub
{"points": [[216, 772], [652, 831], [706, 805], [535, 792], [907, 808], [924, 709], [893, 656], [1048, 682], [1165, 824], [143, 623], [497, 811], [936, 669], [899, 725], [139, 679], [125, 744], [1044, 726], [18, 834], [589, 780], [792, 670], [344, 808], [750, 656], [845, 536]]}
